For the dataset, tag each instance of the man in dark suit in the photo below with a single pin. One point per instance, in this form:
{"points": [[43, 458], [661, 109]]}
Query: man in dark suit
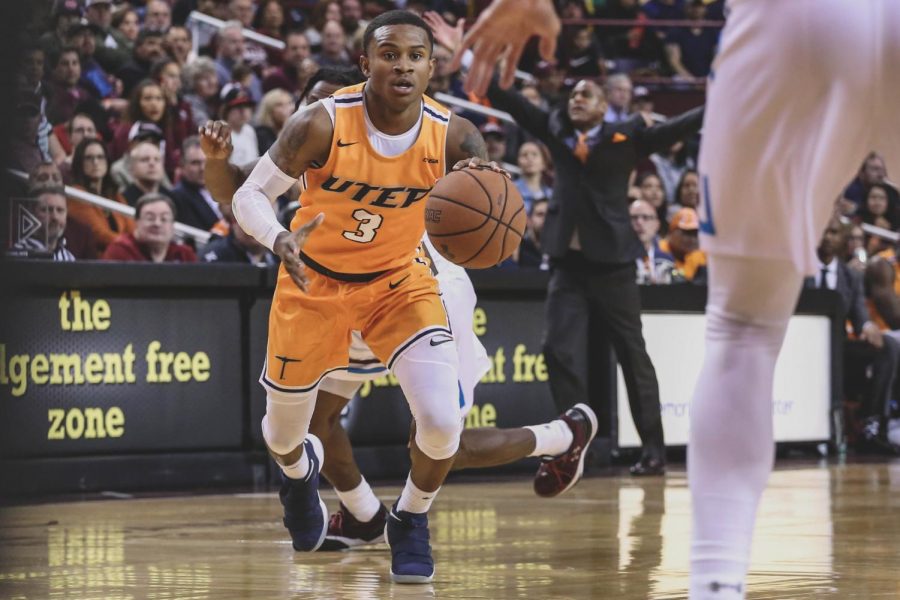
{"points": [[871, 347], [195, 205], [592, 248]]}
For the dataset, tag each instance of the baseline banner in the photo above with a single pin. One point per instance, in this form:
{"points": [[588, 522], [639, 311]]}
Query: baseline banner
{"points": [[95, 372], [675, 342]]}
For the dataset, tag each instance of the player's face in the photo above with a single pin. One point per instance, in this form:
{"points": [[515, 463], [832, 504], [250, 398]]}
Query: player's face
{"points": [[587, 105], [398, 64]]}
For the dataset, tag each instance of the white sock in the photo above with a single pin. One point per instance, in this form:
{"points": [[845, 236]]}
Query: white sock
{"points": [[361, 501], [300, 469], [551, 439], [731, 448], [414, 500]]}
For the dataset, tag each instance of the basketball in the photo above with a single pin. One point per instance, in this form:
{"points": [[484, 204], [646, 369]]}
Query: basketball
{"points": [[475, 217]]}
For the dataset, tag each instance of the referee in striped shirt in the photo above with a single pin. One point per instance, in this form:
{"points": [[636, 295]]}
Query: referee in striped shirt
{"points": [[50, 209]]}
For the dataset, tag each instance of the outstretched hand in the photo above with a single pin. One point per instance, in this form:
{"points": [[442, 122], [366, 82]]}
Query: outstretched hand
{"points": [[445, 35], [501, 32], [215, 140], [287, 247]]}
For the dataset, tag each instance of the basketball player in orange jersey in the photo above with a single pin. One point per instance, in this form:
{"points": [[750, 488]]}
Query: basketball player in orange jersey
{"points": [[369, 158], [799, 92], [361, 517]]}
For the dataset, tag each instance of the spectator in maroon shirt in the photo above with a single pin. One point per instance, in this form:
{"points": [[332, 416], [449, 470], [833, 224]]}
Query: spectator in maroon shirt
{"points": [[152, 240]]}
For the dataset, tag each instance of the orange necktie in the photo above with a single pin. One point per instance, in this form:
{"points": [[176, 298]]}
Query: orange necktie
{"points": [[581, 148]]}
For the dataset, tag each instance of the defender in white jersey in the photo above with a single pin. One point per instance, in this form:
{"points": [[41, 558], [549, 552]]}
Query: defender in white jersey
{"points": [[800, 92], [361, 516]]}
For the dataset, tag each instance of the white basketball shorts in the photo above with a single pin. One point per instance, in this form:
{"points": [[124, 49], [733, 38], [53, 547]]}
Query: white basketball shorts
{"points": [[800, 92]]}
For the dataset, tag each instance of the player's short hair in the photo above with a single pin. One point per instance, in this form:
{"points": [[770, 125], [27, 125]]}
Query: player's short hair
{"points": [[396, 17]]}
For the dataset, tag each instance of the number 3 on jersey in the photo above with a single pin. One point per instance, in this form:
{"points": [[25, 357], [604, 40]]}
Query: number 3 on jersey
{"points": [[368, 226]]}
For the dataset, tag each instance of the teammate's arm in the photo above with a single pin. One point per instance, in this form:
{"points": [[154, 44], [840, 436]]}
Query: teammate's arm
{"points": [[305, 139], [221, 177], [466, 147], [879, 281]]}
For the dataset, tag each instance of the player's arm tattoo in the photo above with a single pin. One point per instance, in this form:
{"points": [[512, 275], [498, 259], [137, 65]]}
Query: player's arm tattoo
{"points": [[473, 145], [306, 138]]}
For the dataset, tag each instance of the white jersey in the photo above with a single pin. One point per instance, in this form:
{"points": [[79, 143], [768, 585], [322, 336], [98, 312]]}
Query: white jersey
{"points": [[808, 87]]}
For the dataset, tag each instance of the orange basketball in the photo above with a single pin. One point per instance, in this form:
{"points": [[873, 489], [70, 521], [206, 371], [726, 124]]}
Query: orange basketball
{"points": [[475, 217]]}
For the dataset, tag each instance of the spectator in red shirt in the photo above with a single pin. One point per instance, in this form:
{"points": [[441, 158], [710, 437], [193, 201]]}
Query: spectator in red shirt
{"points": [[152, 240]]}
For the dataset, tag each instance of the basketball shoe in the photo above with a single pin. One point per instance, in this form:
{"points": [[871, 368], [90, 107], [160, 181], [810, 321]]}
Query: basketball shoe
{"points": [[305, 515], [560, 473], [407, 535], [346, 531]]}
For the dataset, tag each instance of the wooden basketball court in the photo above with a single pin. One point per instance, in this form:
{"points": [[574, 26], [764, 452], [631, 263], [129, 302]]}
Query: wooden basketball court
{"points": [[823, 532]]}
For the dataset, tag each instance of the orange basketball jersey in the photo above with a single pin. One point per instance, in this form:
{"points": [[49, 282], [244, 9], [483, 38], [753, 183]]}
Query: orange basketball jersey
{"points": [[374, 205]]}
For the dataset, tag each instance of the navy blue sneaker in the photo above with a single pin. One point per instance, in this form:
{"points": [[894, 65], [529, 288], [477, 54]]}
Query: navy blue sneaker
{"points": [[305, 515], [407, 535]]}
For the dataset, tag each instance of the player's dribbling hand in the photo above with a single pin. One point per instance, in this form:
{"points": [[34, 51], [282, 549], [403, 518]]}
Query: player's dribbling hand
{"points": [[479, 163], [287, 247], [215, 140], [503, 29]]}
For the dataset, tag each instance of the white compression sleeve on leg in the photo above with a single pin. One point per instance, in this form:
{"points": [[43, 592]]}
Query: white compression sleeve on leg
{"points": [[252, 203]]}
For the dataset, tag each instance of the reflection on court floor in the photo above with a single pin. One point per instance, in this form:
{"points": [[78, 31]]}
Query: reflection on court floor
{"points": [[829, 531]]}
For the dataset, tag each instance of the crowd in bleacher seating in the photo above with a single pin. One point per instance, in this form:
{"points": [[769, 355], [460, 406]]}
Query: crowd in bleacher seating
{"points": [[111, 92]]}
